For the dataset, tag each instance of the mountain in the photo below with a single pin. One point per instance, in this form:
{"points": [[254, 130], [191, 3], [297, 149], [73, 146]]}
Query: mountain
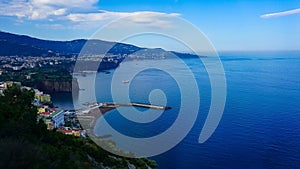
{"points": [[21, 45]]}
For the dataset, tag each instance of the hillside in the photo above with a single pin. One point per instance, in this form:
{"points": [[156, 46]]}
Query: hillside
{"points": [[12, 44], [26, 143], [21, 45]]}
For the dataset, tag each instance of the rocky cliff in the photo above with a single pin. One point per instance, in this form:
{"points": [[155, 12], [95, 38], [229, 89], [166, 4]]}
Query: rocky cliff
{"points": [[58, 86]]}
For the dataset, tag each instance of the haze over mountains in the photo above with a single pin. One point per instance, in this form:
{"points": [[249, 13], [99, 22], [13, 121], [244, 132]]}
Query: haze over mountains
{"points": [[21, 45]]}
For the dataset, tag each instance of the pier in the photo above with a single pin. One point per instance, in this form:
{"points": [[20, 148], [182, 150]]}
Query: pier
{"points": [[115, 105], [144, 105], [89, 116]]}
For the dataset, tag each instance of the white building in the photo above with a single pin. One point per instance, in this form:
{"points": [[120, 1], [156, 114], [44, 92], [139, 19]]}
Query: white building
{"points": [[58, 118]]}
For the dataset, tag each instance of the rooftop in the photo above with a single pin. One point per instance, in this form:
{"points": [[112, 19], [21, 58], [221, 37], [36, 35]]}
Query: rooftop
{"points": [[55, 113]]}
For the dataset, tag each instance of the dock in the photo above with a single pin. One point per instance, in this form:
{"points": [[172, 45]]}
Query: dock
{"points": [[144, 105], [89, 116]]}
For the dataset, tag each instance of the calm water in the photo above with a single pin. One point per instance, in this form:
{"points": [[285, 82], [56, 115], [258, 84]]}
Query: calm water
{"points": [[260, 127]]}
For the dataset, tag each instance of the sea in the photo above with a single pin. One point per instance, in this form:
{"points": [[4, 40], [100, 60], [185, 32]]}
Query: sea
{"points": [[260, 124]]}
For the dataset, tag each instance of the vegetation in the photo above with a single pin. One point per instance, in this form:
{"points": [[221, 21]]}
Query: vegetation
{"points": [[26, 143], [45, 79], [30, 77]]}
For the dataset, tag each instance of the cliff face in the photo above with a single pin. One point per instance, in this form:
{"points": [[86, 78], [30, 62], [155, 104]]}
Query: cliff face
{"points": [[58, 86]]}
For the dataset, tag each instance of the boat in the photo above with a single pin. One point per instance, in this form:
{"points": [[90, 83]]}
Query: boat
{"points": [[125, 81]]}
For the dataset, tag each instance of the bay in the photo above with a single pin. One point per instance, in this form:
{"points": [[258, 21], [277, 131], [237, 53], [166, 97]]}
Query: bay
{"points": [[260, 124]]}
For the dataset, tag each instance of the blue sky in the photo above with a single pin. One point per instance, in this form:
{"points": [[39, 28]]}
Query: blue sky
{"points": [[230, 25]]}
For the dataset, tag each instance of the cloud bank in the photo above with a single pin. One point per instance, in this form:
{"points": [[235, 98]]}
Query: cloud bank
{"points": [[42, 9], [78, 13], [279, 14]]}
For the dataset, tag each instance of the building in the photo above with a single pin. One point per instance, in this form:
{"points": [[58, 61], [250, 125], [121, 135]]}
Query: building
{"points": [[5, 85], [17, 68], [49, 123], [2, 88], [10, 84], [53, 118], [28, 77], [74, 132], [42, 109], [41, 97], [57, 118]]}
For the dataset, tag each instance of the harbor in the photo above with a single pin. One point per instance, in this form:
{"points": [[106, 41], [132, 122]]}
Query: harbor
{"points": [[89, 116]]}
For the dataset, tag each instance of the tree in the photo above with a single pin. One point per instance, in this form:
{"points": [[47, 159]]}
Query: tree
{"points": [[26, 143]]}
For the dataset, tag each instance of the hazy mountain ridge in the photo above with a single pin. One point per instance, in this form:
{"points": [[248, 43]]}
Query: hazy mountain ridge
{"points": [[22, 45], [12, 44]]}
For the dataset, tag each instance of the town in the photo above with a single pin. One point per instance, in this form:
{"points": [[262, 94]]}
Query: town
{"points": [[30, 62]]}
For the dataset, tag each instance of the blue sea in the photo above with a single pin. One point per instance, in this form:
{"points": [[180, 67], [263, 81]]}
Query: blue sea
{"points": [[260, 126]]}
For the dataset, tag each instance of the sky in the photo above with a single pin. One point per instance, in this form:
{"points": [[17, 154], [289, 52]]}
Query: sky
{"points": [[230, 25]]}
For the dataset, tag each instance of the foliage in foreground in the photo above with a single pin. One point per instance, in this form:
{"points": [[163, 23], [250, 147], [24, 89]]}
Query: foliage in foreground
{"points": [[26, 143]]}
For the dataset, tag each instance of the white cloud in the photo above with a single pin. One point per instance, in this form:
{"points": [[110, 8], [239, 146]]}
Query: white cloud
{"points": [[138, 17], [99, 16], [131, 19], [65, 3], [42, 9], [78, 14], [284, 13]]}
